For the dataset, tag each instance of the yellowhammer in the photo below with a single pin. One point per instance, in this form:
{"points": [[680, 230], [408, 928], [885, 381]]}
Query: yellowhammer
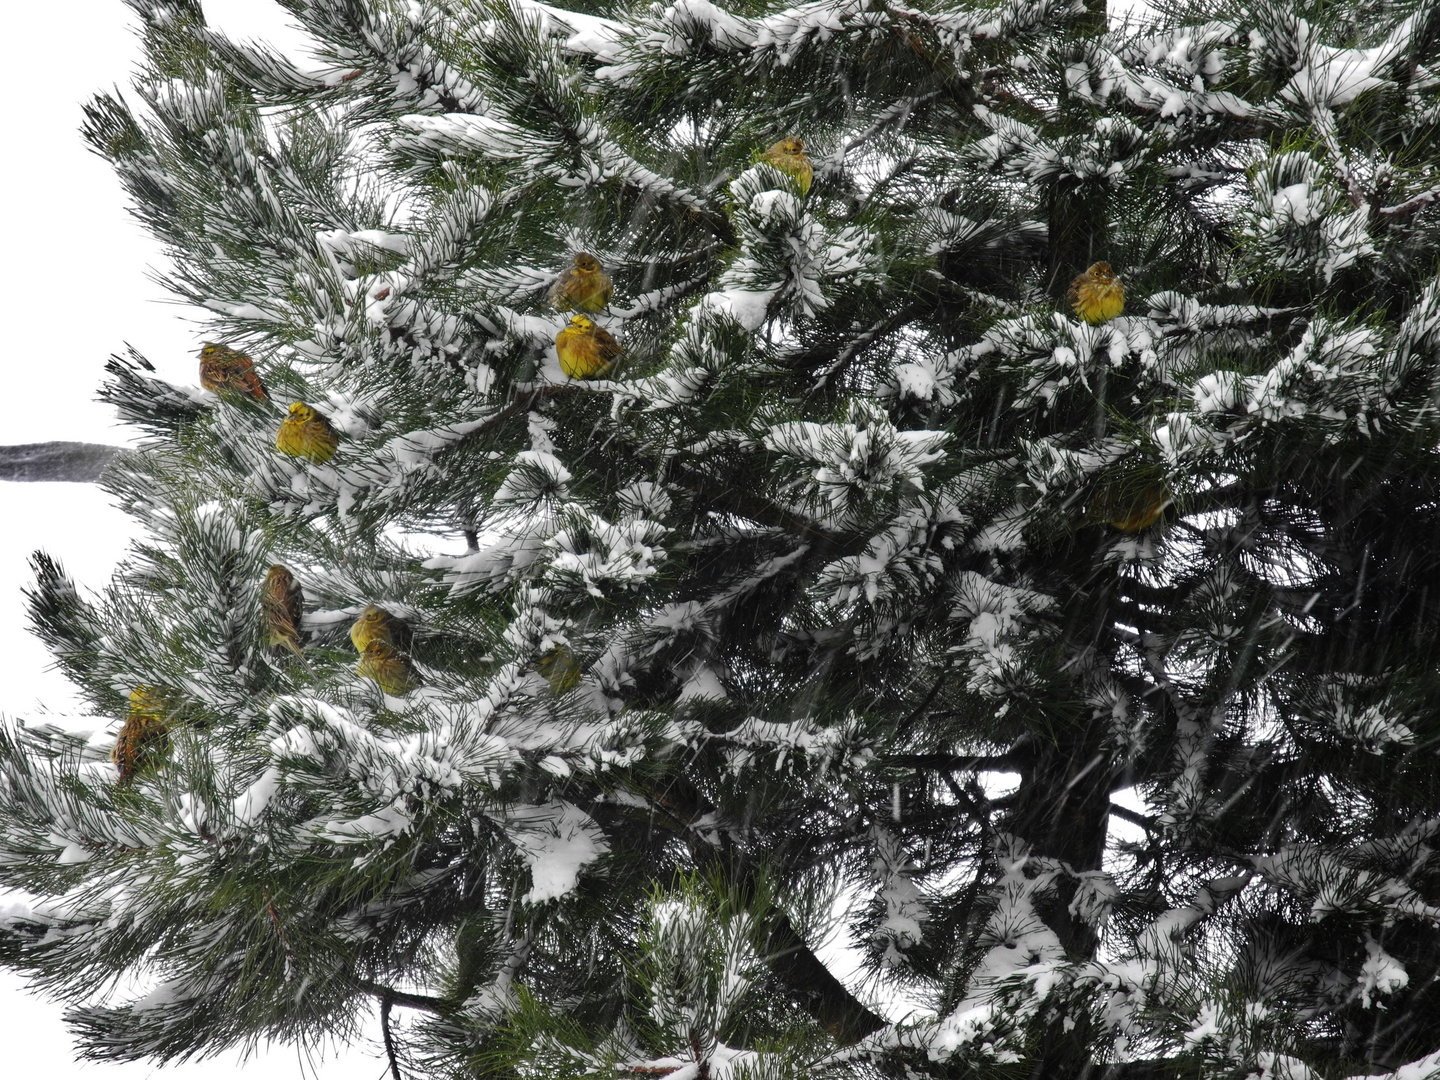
{"points": [[283, 603], [560, 669], [144, 737], [582, 287], [1097, 295], [305, 433], [788, 155], [585, 350], [226, 371], [389, 667], [377, 624], [1134, 505]]}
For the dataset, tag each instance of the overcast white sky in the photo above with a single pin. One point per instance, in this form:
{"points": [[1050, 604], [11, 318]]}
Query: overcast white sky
{"points": [[75, 280]]}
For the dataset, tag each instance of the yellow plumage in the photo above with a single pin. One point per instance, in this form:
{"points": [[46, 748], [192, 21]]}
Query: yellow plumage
{"points": [[582, 287], [560, 669], [585, 350], [1132, 504], [305, 433], [225, 371], [377, 624], [1097, 295], [144, 737], [1143, 511], [389, 667], [788, 155], [283, 604]]}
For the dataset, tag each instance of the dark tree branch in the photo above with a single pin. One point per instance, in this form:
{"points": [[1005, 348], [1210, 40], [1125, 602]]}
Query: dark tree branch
{"points": [[1126, 814], [386, 1001], [75, 462], [400, 997], [951, 762]]}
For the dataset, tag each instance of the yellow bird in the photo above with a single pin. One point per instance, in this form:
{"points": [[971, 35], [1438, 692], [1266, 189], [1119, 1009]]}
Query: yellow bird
{"points": [[560, 669], [585, 350], [788, 155], [1133, 505], [283, 604], [306, 433], [144, 737], [1097, 295], [377, 624], [389, 667], [1143, 511], [582, 287], [226, 371]]}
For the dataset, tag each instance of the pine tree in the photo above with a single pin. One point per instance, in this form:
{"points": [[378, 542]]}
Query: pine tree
{"points": [[866, 560]]}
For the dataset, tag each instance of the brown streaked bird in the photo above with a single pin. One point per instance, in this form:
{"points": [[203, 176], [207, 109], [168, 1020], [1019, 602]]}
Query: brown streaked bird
{"points": [[389, 667], [560, 669], [377, 624], [225, 371], [144, 737], [585, 350], [582, 287], [788, 155], [1097, 295], [306, 433], [283, 605]]}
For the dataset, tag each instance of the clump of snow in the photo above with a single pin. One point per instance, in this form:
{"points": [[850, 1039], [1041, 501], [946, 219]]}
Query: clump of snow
{"points": [[557, 841]]}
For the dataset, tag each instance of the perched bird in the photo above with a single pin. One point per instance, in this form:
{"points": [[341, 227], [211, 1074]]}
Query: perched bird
{"points": [[1133, 506], [388, 666], [585, 350], [788, 155], [377, 624], [1097, 295], [305, 433], [283, 603], [560, 669], [582, 287], [226, 371], [1143, 511], [144, 737]]}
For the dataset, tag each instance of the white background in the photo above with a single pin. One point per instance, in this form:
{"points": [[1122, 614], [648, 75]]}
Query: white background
{"points": [[74, 278]]}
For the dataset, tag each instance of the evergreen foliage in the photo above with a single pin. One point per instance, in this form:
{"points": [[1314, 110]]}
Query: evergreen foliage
{"points": [[1085, 670]]}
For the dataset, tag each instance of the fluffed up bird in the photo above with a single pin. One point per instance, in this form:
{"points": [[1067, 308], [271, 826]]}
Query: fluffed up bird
{"points": [[1133, 501], [1140, 509], [144, 737], [1097, 295], [377, 624], [306, 433], [585, 350], [225, 371], [560, 669], [389, 667], [582, 287], [788, 155], [283, 605]]}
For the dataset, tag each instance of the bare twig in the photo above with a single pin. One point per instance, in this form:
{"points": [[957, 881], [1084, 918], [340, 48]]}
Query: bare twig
{"points": [[386, 1000]]}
